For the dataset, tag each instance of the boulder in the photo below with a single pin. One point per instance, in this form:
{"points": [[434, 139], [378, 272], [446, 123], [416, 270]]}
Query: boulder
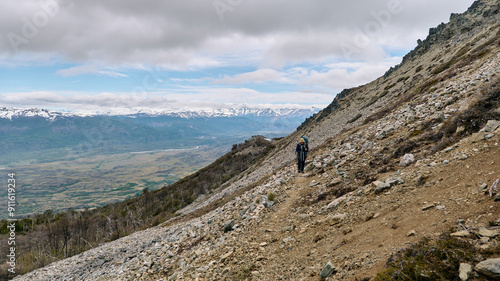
{"points": [[228, 225], [484, 232], [393, 182], [491, 126], [335, 203], [461, 233], [490, 268], [407, 160], [381, 187], [497, 198], [464, 271], [327, 270], [335, 181], [313, 183]]}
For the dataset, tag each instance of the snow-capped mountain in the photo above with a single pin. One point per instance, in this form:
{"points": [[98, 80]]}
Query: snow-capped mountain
{"points": [[230, 112], [9, 113], [25, 131]]}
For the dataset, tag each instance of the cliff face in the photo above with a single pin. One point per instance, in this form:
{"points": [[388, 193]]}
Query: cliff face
{"points": [[407, 156]]}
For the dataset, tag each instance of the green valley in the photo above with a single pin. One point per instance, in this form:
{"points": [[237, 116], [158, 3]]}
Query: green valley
{"points": [[93, 181]]}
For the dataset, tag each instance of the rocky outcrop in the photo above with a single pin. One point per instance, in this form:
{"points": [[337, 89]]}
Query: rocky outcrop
{"points": [[481, 13]]}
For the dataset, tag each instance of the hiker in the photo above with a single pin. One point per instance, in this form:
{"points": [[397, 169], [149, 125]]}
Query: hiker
{"points": [[301, 152]]}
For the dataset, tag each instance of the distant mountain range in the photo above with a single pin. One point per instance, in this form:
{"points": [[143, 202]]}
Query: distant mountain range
{"points": [[43, 135], [9, 112]]}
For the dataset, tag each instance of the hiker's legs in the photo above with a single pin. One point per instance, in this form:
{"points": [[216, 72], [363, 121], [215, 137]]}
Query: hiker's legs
{"points": [[301, 165]]}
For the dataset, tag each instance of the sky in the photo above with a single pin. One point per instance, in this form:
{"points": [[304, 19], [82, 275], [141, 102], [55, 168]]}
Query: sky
{"points": [[112, 55]]}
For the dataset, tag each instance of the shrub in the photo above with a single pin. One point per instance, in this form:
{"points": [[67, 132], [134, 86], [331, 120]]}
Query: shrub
{"points": [[428, 260], [271, 196]]}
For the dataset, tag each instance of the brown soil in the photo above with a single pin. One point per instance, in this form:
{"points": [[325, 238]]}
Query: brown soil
{"points": [[288, 241]]}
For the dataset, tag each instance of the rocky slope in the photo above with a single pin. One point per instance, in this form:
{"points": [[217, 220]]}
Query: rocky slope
{"points": [[407, 156]]}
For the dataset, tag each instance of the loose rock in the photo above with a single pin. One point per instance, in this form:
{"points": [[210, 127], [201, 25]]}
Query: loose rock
{"points": [[327, 270], [490, 268]]}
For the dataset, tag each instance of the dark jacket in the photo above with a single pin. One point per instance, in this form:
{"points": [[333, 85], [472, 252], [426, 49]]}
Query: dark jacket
{"points": [[302, 150]]}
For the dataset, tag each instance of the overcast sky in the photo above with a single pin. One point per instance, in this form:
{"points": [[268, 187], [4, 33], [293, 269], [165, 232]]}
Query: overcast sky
{"points": [[114, 54]]}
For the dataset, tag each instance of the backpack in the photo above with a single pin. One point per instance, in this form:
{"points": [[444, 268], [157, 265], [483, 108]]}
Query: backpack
{"points": [[307, 141]]}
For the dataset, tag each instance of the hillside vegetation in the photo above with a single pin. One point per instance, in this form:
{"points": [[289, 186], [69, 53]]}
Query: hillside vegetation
{"points": [[47, 237], [400, 185]]}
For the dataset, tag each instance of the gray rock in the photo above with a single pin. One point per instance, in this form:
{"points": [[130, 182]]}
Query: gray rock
{"points": [[335, 181], [497, 198], [448, 149], [228, 226], [484, 232], [427, 207], [268, 204], [490, 268], [336, 219], [327, 270], [464, 271], [336, 202], [488, 136], [393, 182], [381, 135], [407, 160], [381, 187], [491, 126]]}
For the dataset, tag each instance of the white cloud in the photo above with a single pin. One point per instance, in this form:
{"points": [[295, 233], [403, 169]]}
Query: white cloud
{"points": [[258, 76], [312, 49], [89, 69], [347, 75], [190, 33], [188, 97]]}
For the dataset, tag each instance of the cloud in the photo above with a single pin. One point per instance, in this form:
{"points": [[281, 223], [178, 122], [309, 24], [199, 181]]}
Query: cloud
{"points": [[333, 76], [82, 101], [190, 52], [347, 75], [89, 69], [258, 76], [184, 98], [183, 34]]}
